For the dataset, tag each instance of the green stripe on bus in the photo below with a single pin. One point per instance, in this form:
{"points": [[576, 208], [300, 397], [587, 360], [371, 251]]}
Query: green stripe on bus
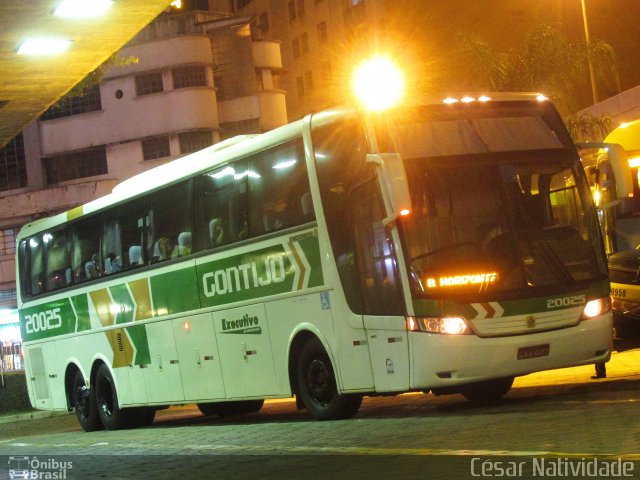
{"points": [[124, 306], [138, 336], [74, 213], [81, 307], [289, 266], [174, 292], [428, 307]]}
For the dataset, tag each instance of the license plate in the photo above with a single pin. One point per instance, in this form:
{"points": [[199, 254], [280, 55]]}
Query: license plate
{"points": [[532, 352]]}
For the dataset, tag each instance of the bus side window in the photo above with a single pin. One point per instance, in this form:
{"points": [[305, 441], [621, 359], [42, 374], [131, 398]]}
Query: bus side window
{"points": [[34, 266], [374, 253], [169, 222], [277, 184], [58, 264], [340, 151], [221, 206], [123, 228], [85, 248]]}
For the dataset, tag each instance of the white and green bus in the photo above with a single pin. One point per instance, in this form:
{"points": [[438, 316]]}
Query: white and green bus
{"points": [[447, 246]]}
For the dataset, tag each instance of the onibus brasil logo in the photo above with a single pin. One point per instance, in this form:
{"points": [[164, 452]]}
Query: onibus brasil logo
{"points": [[35, 468]]}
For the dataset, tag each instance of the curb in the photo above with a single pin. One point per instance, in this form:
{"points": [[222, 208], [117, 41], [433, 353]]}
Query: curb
{"points": [[35, 415]]}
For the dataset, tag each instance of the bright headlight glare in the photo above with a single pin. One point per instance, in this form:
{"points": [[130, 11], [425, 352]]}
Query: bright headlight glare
{"points": [[597, 307], [378, 84], [441, 325]]}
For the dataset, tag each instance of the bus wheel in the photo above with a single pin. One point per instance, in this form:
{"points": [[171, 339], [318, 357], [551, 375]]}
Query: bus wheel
{"points": [[230, 408], [111, 415], [488, 391], [317, 385], [84, 402]]}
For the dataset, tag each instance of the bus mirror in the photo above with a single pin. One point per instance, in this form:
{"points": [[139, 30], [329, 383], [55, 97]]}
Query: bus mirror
{"points": [[619, 162], [611, 167], [394, 179]]}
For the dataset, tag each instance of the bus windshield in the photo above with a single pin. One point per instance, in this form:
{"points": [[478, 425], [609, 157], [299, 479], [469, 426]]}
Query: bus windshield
{"points": [[499, 205]]}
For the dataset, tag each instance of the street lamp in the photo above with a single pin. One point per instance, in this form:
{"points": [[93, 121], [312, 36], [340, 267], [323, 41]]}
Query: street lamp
{"points": [[592, 75]]}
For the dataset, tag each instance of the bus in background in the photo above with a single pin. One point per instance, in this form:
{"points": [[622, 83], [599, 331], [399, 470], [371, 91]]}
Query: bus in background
{"points": [[445, 246], [615, 178]]}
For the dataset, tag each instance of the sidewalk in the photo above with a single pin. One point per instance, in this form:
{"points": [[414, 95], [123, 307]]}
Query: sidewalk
{"points": [[30, 415]]}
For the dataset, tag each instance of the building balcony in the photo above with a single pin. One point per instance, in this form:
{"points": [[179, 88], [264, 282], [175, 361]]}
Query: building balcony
{"points": [[142, 116], [268, 106], [22, 207], [266, 54]]}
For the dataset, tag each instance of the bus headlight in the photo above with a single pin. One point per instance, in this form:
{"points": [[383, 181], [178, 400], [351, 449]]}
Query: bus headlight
{"points": [[595, 308], [442, 325]]}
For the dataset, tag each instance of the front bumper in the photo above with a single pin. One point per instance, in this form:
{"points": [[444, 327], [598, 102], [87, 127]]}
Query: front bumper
{"points": [[445, 360]]}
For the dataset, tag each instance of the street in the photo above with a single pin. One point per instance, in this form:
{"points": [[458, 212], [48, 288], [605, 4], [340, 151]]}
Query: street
{"points": [[560, 414]]}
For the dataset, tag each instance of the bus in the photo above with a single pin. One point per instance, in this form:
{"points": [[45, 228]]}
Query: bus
{"points": [[614, 167], [441, 246]]}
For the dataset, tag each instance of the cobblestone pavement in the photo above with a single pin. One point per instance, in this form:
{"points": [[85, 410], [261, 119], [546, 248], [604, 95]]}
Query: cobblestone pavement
{"points": [[561, 415]]}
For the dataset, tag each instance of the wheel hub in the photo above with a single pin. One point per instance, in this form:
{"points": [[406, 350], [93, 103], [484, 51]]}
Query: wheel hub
{"points": [[319, 381]]}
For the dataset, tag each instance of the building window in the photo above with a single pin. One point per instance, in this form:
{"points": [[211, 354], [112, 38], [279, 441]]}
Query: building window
{"points": [[326, 73], [300, 85], [295, 46], [263, 22], [155, 147], [291, 7], [13, 167], [75, 165], [241, 127], [8, 295], [322, 32], [184, 77], [300, 8], [148, 84], [8, 241], [308, 81], [89, 101], [194, 141], [198, 5], [304, 43]]}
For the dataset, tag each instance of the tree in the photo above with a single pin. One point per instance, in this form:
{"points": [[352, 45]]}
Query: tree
{"points": [[546, 61], [588, 128]]}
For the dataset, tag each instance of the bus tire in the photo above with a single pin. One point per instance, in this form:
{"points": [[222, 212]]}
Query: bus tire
{"points": [[84, 402], [488, 391], [316, 383], [112, 416], [230, 408]]}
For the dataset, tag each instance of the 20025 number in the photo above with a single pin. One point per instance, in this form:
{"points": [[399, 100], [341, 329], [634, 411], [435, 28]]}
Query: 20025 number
{"points": [[39, 322], [566, 301]]}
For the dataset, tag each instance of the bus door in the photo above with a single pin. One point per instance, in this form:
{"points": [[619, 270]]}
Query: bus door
{"points": [[380, 287], [42, 375]]}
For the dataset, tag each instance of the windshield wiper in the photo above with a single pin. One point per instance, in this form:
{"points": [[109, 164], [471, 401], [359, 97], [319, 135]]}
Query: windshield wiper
{"points": [[551, 258]]}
